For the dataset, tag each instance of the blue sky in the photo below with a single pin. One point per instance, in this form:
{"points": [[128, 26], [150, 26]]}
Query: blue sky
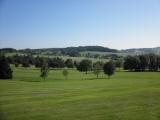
{"points": [[116, 24]]}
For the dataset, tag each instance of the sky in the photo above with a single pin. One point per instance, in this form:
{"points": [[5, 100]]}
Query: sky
{"points": [[118, 24]]}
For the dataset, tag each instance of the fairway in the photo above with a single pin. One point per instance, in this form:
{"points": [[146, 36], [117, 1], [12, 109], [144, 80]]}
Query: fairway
{"points": [[126, 96]]}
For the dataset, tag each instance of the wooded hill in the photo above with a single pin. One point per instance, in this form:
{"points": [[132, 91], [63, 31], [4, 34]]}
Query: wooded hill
{"points": [[155, 50], [76, 51], [71, 51]]}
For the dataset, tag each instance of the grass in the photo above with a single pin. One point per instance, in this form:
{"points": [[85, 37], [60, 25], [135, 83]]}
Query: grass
{"points": [[126, 96]]}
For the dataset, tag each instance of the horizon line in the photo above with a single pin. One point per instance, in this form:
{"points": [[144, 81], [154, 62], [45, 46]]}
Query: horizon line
{"points": [[79, 46]]}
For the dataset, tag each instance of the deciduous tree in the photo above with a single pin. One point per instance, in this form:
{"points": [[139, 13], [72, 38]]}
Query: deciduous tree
{"points": [[109, 68]]}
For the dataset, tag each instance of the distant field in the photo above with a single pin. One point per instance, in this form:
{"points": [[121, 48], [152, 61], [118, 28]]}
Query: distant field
{"points": [[108, 53], [63, 57], [126, 96], [75, 58]]}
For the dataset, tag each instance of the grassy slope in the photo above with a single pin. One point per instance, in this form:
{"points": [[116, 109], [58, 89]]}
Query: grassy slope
{"points": [[127, 96]]}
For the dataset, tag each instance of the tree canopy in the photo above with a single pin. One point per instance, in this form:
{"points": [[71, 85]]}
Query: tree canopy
{"points": [[5, 69], [85, 65], [109, 68]]}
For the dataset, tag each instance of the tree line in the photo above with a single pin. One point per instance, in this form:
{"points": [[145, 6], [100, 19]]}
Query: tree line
{"points": [[29, 60], [69, 51], [46, 63], [147, 62]]}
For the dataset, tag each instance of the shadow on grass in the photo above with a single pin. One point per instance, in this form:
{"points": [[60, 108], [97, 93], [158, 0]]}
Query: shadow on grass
{"points": [[63, 79], [102, 78], [32, 80], [2, 115], [6, 79], [141, 71]]}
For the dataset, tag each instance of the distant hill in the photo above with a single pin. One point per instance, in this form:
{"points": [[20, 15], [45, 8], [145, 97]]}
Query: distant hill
{"points": [[76, 51], [10, 50], [155, 50], [71, 51], [82, 49]]}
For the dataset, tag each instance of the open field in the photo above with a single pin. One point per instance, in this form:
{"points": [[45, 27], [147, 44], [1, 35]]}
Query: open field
{"points": [[126, 96], [75, 58]]}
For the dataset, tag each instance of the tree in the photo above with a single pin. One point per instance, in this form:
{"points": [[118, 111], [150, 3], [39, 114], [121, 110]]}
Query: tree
{"points": [[31, 60], [69, 63], [17, 59], [10, 59], [25, 63], [97, 70], [44, 70], [76, 64], [132, 63], [144, 62], [85, 65], [97, 67], [153, 62], [128, 63], [99, 63], [119, 63], [137, 63], [38, 61], [16, 64], [65, 73], [109, 68], [5, 70], [56, 63], [158, 61]]}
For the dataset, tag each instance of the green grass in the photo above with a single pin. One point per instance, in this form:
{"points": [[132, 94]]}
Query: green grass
{"points": [[126, 96]]}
